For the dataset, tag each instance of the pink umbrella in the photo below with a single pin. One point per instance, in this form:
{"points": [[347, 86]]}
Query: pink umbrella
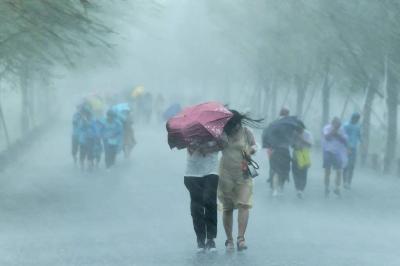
{"points": [[197, 124]]}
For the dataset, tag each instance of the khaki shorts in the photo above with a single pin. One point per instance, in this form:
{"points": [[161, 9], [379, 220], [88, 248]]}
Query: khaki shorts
{"points": [[235, 192]]}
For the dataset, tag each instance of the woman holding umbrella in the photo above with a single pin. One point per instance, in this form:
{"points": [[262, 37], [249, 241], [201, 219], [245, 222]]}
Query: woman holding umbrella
{"points": [[199, 129], [235, 185], [201, 180]]}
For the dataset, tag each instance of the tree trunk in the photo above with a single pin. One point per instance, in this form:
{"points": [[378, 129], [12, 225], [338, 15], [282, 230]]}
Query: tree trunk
{"points": [[326, 94], [274, 101], [4, 125], [366, 121], [392, 106], [265, 107], [345, 105], [25, 116], [301, 96]]}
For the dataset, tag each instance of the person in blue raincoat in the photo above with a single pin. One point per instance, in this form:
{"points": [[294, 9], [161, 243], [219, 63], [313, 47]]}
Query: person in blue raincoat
{"points": [[87, 136], [353, 132], [112, 137], [97, 145]]}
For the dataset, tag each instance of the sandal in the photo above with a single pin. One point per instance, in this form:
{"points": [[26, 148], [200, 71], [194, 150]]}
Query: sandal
{"points": [[241, 243], [229, 245]]}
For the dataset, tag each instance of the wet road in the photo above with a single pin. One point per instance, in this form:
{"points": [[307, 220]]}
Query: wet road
{"points": [[138, 214]]}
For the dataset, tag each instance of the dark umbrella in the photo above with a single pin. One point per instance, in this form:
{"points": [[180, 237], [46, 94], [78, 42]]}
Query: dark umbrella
{"points": [[280, 132]]}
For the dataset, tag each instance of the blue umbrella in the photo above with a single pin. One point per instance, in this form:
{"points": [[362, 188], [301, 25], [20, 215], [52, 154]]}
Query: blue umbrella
{"points": [[121, 110], [121, 107], [172, 111]]}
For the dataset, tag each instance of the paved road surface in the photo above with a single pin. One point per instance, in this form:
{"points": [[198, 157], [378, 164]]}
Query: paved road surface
{"points": [[138, 214]]}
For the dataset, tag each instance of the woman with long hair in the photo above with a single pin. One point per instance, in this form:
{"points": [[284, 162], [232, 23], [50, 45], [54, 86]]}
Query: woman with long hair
{"points": [[235, 185]]}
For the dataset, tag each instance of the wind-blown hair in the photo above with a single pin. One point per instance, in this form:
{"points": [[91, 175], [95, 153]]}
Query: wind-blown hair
{"points": [[243, 119]]}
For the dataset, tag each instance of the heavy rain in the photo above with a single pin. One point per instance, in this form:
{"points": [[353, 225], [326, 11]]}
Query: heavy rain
{"points": [[199, 132]]}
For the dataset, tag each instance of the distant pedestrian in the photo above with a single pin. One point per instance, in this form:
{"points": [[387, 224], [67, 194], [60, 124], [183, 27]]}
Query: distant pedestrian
{"points": [[87, 135], [278, 137], [235, 185], [112, 138], [201, 180], [76, 121], [98, 144], [301, 159], [334, 144], [353, 132], [129, 141]]}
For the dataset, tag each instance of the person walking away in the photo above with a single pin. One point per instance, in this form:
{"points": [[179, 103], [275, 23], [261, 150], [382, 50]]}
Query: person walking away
{"points": [[201, 180], [353, 132], [147, 107], [86, 139], [277, 141], [98, 145], [159, 106], [334, 145], [235, 188], [112, 135], [129, 136], [76, 121], [301, 160]]}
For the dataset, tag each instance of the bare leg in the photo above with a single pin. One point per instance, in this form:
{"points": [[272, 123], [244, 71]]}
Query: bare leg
{"points": [[327, 178], [338, 181], [228, 223], [327, 181], [243, 219], [275, 184]]}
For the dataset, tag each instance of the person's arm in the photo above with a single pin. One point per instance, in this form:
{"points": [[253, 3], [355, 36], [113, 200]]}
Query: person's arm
{"points": [[209, 147], [251, 141], [307, 139], [341, 136], [329, 133]]}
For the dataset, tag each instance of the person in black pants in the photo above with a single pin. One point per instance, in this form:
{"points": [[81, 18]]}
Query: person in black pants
{"points": [[203, 207], [300, 178], [201, 180], [303, 143]]}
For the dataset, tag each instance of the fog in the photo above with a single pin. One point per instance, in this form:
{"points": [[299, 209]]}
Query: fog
{"points": [[320, 59]]}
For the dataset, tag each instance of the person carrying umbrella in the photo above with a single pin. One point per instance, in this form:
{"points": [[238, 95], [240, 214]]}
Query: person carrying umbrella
{"points": [[201, 180], [199, 129], [235, 185], [277, 139]]}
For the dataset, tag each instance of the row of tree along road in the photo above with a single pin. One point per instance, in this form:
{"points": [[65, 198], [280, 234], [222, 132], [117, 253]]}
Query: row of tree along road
{"points": [[314, 50]]}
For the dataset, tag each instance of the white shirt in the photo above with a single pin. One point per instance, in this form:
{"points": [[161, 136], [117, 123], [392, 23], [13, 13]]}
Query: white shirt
{"points": [[199, 165]]}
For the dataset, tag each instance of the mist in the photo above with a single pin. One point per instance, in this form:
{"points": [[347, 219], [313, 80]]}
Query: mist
{"points": [[145, 62]]}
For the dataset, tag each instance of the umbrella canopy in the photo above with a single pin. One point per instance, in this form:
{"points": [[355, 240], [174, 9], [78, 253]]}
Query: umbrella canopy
{"points": [[197, 124], [121, 107], [280, 133], [172, 111], [96, 103], [137, 91], [121, 110]]}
